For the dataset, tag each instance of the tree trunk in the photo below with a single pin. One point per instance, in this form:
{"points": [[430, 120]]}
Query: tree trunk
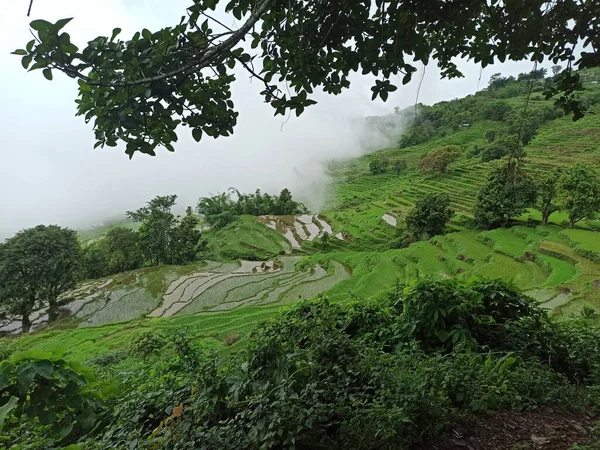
{"points": [[545, 216], [25, 324], [53, 310]]}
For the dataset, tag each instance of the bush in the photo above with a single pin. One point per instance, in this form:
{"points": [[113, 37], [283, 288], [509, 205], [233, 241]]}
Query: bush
{"points": [[51, 392], [438, 159], [7, 348], [378, 166], [387, 372], [146, 343], [108, 359]]}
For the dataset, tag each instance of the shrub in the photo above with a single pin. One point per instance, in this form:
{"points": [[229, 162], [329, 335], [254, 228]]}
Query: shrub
{"points": [[378, 166], [438, 159], [232, 338], [51, 392], [588, 312], [146, 343], [108, 359], [7, 348]]}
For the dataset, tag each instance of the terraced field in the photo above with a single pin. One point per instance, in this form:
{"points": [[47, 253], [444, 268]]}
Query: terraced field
{"points": [[538, 259], [259, 264], [361, 200], [208, 287]]}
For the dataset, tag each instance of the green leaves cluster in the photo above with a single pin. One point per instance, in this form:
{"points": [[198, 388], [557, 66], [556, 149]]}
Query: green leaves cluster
{"points": [[507, 194], [37, 265], [50, 392], [429, 216], [139, 91], [222, 209]]}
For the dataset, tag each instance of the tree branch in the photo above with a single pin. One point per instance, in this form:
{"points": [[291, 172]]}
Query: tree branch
{"points": [[211, 55]]}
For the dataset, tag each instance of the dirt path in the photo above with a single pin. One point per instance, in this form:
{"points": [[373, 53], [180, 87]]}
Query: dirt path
{"points": [[544, 428]]}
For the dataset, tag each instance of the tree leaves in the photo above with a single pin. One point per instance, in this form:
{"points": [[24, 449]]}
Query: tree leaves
{"points": [[7, 408], [47, 74], [189, 67]]}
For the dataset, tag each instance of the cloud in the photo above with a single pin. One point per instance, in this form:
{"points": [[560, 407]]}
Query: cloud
{"points": [[50, 174]]}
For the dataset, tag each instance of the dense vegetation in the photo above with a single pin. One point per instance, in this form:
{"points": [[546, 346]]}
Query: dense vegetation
{"points": [[389, 356], [379, 374], [139, 91], [220, 210]]}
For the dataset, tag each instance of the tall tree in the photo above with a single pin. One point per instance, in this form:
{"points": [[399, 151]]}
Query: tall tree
{"points": [[579, 193], [37, 265], [155, 233], [547, 192], [186, 239], [141, 90], [505, 194], [429, 216], [122, 246]]}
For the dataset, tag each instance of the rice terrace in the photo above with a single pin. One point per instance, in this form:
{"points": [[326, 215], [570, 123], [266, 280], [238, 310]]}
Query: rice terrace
{"points": [[445, 295]]}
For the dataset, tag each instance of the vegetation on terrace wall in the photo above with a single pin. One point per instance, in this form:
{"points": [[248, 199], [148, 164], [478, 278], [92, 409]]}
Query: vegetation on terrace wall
{"points": [[222, 209]]}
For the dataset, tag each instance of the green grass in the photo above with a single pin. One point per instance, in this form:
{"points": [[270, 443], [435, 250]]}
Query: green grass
{"points": [[584, 239], [243, 238], [91, 234]]}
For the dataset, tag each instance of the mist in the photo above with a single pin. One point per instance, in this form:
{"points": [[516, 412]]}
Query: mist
{"points": [[49, 172]]}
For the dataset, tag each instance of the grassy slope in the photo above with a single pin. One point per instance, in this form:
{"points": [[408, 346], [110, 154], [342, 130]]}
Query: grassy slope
{"points": [[355, 208], [243, 238]]}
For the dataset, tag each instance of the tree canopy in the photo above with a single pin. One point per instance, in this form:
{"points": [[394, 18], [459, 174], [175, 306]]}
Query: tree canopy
{"points": [[37, 265], [429, 216], [140, 90], [504, 195]]}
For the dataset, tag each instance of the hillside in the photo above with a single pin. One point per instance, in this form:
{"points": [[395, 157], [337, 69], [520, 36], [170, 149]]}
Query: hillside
{"points": [[558, 267], [358, 255]]}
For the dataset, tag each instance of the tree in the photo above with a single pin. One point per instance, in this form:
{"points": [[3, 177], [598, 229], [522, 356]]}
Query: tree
{"points": [[579, 193], [325, 240], [218, 210], [556, 69], [524, 126], [140, 90], [94, 261], [399, 166], [378, 166], [155, 233], [429, 216], [502, 196], [508, 145], [438, 159], [286, 205], [122, 247], [547, 194], [186, 239], [37, 265]]}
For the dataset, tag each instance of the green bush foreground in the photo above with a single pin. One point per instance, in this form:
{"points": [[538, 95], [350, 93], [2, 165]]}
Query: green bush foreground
{"points": [[385, 373]]}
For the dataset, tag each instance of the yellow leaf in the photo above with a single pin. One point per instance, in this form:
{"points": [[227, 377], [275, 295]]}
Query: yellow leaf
{"points": [[177, 410], [157, 430]]}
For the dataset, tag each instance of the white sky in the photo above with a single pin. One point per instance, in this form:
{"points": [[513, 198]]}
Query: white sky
{"points": [[49, 172]]}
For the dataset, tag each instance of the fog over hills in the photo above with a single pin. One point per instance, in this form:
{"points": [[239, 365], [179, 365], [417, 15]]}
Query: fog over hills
{"points": [[50, 174]]}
